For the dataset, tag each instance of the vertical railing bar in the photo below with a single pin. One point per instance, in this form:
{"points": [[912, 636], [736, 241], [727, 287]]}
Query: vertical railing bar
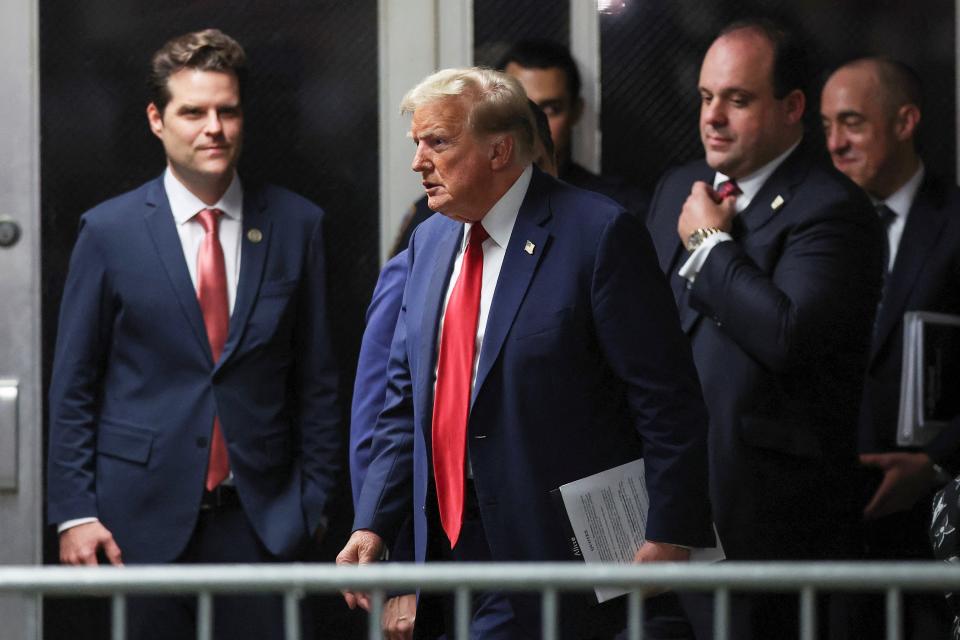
{"points": [[205, 620], [291, 614], [635, 615], [721, 613], [893, 614], [462, 613], [376, 613], [119, 617], [808, 614], [549, 614]]}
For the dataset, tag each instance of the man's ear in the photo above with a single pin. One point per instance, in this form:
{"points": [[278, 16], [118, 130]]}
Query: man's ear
{"points": [[155, 119], [794, 104], [906, 122], [501, 152]]}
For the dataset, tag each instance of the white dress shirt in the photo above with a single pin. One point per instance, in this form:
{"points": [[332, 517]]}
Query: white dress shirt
{"points": [[498, 223], [749, 186], [900, 202], [185, 206]]}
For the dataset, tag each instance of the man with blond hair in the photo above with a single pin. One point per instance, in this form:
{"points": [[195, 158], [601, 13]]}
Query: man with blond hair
{"points": [[536, 345]]}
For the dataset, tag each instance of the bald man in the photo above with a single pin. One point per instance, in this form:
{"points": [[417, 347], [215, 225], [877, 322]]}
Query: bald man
{"points": [[871, 110]]}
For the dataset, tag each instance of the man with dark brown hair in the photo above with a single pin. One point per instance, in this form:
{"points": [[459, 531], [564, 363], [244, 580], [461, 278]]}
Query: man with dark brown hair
{"points": [[193, 414], [774, 262]]}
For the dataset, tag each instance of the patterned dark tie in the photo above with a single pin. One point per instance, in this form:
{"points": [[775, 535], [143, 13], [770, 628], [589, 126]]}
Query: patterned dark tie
{"points": [[728, 188]]}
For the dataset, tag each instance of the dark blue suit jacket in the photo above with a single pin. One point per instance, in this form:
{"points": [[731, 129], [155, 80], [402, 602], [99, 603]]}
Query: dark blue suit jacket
{"points": [[582, 368], [135, 389], [779, 321], [370, 385], [925, 277]]}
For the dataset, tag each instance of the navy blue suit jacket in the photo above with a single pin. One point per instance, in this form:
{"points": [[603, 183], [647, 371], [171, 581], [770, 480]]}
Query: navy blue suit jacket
{"points": [[370, 385], [582, 368], [135, 389], [779, 320], [925, 277]]}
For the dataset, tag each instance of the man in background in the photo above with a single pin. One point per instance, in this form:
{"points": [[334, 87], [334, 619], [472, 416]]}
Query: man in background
{"points": [[774, 265], [193, 413], [871, 110]]}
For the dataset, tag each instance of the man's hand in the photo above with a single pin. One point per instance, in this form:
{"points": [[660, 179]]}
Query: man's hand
{"points": [[398, 617], [363, 547], [703, 210], [79, 545], [907, 477], [652, 551]]}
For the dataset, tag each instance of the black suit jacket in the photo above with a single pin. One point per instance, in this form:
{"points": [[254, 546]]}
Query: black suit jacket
{"points": [[779, 320], [925, 276]]}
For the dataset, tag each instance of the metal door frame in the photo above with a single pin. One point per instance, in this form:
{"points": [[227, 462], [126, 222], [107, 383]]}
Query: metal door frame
{"points": [[21, 420]]}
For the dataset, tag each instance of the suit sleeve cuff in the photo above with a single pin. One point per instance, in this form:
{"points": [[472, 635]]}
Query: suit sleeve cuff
{"points": [[695, 262]]}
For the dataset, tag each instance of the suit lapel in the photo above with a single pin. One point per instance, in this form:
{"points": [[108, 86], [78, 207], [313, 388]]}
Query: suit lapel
{"points": [[252, 259], [163, 232], [920, 234], [776, 192], [447, 245], [515, 274]]}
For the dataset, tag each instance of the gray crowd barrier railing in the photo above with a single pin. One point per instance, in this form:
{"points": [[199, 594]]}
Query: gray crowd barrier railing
{"points": [[294, 581]]}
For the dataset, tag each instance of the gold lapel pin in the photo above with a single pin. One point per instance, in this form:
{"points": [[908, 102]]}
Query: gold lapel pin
{"points": [[777, 203], [529, 247], [254, 235]]}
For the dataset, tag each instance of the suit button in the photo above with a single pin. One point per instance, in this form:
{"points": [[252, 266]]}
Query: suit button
{"points": [[716, 319], [202, 442]]}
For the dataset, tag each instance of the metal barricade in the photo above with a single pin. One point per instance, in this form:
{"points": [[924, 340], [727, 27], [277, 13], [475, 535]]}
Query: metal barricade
{"points": [[296, 580]]}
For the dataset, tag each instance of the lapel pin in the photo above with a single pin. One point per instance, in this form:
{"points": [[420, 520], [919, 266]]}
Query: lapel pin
{"points": [[777, 203], [254, 235], [529, 247]]}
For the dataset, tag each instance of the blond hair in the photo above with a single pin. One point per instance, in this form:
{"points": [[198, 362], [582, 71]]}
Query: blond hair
{"points": [[497, 104]]}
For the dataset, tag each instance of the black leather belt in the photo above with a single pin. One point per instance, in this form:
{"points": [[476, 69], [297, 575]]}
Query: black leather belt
{"points": [[222, 496]]}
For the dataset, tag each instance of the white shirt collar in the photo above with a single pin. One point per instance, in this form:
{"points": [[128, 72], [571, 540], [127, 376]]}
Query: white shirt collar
{"points": [[185, 205], [902, 199], [500, 219], [750, 185]]}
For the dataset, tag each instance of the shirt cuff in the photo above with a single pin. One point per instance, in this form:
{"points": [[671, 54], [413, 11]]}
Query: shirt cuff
{"points": [[695, 262], [76, 522]]}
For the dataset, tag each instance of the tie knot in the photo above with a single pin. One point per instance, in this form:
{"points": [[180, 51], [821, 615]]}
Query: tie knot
{"points": [[208, 218], [477, 235], [728, 188], [886, 214]]}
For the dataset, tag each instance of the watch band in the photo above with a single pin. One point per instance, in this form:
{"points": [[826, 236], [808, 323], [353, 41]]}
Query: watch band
{"points": [[699, 235]]}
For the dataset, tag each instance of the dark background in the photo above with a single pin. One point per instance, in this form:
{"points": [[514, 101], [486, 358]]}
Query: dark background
{"points": [[311, 126]]}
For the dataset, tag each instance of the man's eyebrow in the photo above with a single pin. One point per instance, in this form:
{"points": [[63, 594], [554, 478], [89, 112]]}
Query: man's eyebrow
{"points": [[432, 132], [848, 114]]}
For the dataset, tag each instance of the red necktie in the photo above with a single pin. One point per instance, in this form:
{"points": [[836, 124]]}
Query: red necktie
{"points": [[212, 294], [451, 403], [728, 188]]}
